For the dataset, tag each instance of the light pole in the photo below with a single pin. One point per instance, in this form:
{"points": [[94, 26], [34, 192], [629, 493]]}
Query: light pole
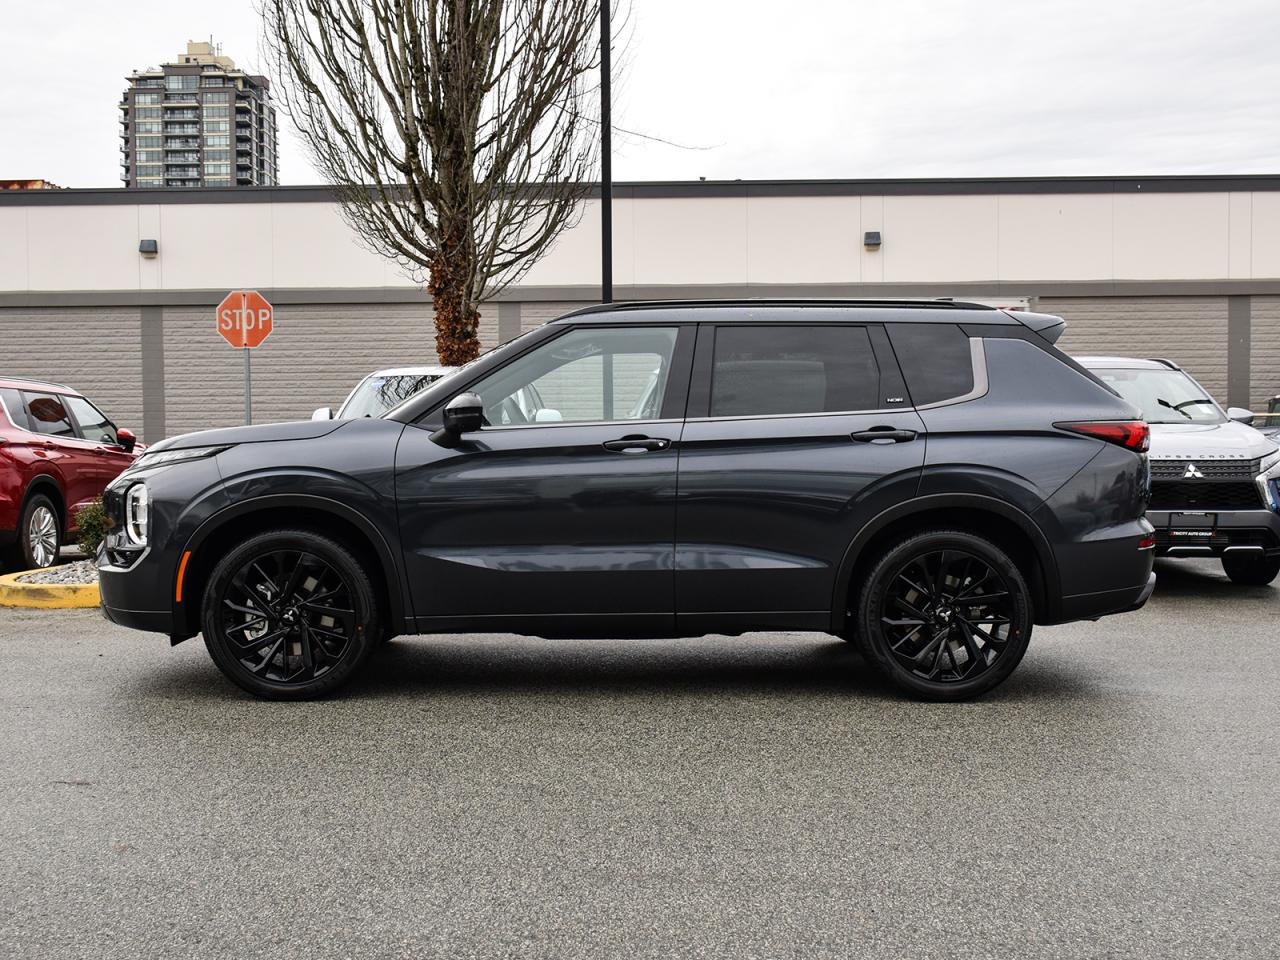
{"points": [[606, 166]]}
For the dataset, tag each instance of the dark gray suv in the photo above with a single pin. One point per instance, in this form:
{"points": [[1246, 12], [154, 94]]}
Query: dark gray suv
{"points": [[926, 479]]}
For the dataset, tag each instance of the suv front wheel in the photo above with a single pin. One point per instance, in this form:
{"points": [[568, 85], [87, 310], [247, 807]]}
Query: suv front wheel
{"points": [[944, 614], [290, 615], [1251, 571], [39, 534]]}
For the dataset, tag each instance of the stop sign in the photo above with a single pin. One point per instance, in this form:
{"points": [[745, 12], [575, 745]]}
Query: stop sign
{"points": [[244, 318]]}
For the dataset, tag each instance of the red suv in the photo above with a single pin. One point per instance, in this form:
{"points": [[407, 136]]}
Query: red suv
{"points": [[57, 453]]}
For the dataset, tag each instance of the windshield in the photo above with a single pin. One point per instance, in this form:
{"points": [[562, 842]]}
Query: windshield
{"points": [[376, 395], [1165, 396]]}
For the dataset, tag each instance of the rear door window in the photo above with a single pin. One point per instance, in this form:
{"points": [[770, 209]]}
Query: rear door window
{"points": [[792, 369], [47, 414], [936, 359]]}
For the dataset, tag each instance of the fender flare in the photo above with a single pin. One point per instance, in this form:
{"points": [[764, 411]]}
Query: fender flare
{"points": [[391, 570], [1044, 552], [38, 484]]}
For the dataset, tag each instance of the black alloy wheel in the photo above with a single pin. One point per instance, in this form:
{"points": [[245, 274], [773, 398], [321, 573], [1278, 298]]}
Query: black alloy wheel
{"points": [[946, 615], [289, 615]]}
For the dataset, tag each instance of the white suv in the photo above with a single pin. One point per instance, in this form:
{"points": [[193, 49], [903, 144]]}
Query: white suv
{"points": [[1215, 480]]}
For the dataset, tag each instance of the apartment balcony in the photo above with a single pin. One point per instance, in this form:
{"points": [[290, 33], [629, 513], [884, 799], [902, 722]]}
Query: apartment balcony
{"points": [[182, 143]]}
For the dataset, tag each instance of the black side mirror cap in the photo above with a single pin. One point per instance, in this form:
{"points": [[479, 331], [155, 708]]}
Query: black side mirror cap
{"points": [[463, 414]]}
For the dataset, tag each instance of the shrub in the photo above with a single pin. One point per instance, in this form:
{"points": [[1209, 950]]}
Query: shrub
{"points": [[91, 527]]}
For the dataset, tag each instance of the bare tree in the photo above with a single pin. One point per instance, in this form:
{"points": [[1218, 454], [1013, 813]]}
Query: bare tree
{"points": [[460, 135]]}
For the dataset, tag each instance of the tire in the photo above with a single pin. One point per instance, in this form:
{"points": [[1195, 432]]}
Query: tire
{"points": [[1251, 571], [39, 534], [290, 650], [917, 636]]}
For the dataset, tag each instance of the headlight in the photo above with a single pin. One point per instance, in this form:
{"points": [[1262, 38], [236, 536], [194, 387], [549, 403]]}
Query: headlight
{"points": [[1271, 465], [137, 510], [161, 457]]}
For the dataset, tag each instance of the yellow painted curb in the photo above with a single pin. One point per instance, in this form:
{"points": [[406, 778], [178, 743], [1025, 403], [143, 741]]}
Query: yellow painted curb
{"points": [[46, 596]]}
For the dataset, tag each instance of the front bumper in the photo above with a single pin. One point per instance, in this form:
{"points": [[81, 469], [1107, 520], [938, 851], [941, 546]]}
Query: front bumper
{"points": [[128, 597], [1232, 531]]}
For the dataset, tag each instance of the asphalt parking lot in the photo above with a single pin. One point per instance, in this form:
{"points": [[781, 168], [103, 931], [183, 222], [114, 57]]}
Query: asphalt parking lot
{"points": [[751, 797]]}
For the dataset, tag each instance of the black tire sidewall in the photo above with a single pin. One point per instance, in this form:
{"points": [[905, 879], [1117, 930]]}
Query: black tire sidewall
{"points": [[1251, 571], [22, 548], [364, 596], [871, 600]]}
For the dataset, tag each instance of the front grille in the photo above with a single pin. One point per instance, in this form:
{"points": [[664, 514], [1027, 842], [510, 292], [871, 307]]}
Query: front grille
{"points": [[1209, 469], [1206, 495]]}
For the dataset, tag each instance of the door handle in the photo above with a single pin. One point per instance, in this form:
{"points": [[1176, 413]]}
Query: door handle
{"points": [[636, 444], [883, 435]]}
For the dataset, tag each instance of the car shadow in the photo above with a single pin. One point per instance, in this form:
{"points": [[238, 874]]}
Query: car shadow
{"points": [[754, 665], [1202, 579]]}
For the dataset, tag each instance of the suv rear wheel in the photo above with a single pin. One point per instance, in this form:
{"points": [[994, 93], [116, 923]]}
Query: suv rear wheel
{"points": [[944, 614], [290, 615], [1253, 571]]}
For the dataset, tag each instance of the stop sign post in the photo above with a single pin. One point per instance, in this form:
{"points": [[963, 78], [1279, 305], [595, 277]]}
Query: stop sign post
{"points": [[243, 319]]}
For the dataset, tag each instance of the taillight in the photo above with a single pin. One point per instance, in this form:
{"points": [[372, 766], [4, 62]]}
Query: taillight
{"points": [[1148, 542], [1132, 434]]}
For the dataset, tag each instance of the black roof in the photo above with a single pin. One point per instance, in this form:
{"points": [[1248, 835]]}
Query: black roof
{"points": [[779, 308]]}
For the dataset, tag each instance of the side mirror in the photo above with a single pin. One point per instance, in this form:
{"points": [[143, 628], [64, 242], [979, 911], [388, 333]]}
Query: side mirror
{"points": [[1241, 415], [464, 414], [322, 413], [126, 439]]}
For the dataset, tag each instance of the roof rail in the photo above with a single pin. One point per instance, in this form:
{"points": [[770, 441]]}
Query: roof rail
{"points": [[39, 383], [1167, 362], [779, 302]]}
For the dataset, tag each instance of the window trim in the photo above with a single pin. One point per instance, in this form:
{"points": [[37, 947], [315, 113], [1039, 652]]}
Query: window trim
{"points": [[706, 367], [981, 382], [31, 421], [674, 403], [80, 426], [706, 360]]}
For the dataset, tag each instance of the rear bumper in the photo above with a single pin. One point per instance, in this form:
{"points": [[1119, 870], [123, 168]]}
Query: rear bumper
{"points": [[1091, 606]]}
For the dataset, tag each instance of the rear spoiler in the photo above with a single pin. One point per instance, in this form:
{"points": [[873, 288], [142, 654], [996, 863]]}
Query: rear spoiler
{"points": [[1049, 327]]}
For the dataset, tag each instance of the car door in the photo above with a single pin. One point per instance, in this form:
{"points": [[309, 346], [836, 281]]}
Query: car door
{"points": [[109, 459], [797, 435], [558, 517], [65, 455]]}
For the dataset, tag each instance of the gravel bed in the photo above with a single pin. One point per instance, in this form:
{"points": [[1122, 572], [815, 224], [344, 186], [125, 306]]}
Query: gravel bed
{"points": [[78, 571]]}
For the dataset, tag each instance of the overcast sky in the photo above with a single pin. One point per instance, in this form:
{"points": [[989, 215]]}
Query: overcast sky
{"points": [[803, 88]]}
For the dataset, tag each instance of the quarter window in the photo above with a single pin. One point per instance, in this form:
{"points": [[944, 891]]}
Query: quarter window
{"points": [[46, 413], [585, 375], [935, 358], [765, 371]]}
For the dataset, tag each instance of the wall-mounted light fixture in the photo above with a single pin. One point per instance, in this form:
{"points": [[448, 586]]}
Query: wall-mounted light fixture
{"points": [[871, 240], [148, 248]]}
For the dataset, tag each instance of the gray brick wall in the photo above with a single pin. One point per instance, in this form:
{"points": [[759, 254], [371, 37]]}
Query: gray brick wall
{"points": [[536, 313], [1264, 378], [314, 356], [95, 350], [1191, 331]]}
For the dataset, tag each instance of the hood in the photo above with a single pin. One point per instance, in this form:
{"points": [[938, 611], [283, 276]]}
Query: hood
{"points": [[262, 433], [1208, 441]]}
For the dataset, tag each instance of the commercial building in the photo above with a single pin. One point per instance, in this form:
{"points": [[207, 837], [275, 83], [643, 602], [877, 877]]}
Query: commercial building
{"points": [[197, 122], [1182, 267]]}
